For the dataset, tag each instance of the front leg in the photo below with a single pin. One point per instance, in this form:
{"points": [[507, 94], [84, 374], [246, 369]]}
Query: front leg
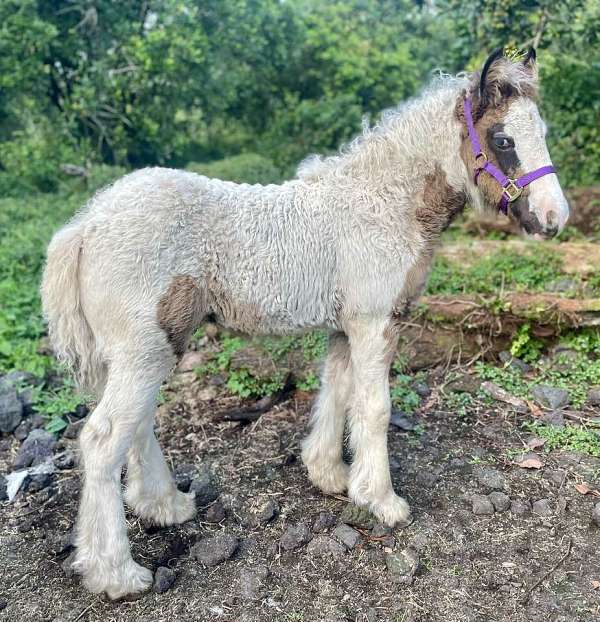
{"points": [[372, 348]]}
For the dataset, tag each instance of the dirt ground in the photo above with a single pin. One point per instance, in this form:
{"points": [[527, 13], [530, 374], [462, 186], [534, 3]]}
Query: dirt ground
{"points": [[512, 565]]}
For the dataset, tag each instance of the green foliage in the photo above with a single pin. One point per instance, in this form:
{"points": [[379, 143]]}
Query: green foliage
{"points": [[54, 404], [501, 271], [403, 395], [244, 383], [249, 168], [314, 345], [461, 404], [525, 346], [570, 437], [310, 382]]}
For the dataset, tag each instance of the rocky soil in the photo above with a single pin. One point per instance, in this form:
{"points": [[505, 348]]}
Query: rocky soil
{"points": [[502, 531]]}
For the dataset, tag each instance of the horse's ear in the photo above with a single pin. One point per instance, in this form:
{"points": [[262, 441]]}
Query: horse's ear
{"points": [[483, 81], [529, 60]]}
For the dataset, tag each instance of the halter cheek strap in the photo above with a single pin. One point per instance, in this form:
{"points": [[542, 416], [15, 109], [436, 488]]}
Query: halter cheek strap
{"points": [[511, 188]]}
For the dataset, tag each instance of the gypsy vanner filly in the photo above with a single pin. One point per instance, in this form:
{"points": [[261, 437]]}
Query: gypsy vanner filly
{"points": [[347, 245]]}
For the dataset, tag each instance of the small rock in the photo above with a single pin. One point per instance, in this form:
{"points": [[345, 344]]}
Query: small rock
{"points": [[67, 565], [11, 411], [482, 506], [542, 507], [358, 517], [490, 478], [550, 397], [66, 460], [163, 579], [325, 546], [190, 360], [3, 603], [421, 388], [518, 506], [252, 582], [81, 411], [215, 549], [266, 512], [500, 501], [516, 363], [207, 394], [464, 384], [215, 513], [39, 482], [205, 488], [3, 495], [563, 286], [402, 565], [325, 520], [596, 515], [347, 536], [73, 429], [427, 479], [556, 477], [22, 431], [380, 530], [553, 417], [295, 536], [400, 420], [184, 475], [593, 397], [36, 448]]}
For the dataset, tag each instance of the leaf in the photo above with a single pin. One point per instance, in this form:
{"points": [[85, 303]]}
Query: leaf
{"points": [[531, 461], [584, 489], [536, 411], [536, 442]]}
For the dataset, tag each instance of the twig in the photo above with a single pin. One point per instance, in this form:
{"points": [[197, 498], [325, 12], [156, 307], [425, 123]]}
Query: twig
{"points": [[547, 574]]}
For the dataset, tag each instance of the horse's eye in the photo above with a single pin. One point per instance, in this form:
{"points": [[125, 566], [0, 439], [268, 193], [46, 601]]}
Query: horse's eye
{"points": [[504, 142]]}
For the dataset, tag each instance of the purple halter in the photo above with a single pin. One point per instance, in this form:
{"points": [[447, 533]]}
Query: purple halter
{"points": [[511, 188]]}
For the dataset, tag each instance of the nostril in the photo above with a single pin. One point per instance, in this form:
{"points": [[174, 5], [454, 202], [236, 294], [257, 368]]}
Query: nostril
{"points": [[552, 220], [550, 232]]}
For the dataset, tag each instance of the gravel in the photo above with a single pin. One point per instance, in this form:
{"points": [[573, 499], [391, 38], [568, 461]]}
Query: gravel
{"points": [[550, 397], [295, 536], [325, 520], [326, 546], [215, 550], [347, 536], [163, 579], [482, 505], [36, 448], [542, 507], [252, 582], [205, 487], [500, 501]]}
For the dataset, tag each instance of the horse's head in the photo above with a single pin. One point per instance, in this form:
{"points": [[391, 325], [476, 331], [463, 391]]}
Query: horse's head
{"points": [[504, 147]]}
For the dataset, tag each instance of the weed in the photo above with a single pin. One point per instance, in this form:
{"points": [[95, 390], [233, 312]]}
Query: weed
{"points": [[525, 346], [569, 437], [54, 404], [460, 403], [314, 345], [244, 383], [310, 382], [403, 395]]}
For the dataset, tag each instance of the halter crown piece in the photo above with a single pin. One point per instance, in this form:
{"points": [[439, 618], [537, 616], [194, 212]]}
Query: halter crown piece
{"points": [[511, 188]]}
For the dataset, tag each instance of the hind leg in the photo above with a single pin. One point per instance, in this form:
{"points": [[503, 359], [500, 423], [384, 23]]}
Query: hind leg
{"points": [[103, 556], [151, 492], [322, 448]]}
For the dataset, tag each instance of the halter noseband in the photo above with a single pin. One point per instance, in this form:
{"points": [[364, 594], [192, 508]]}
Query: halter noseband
{"points": [[511, 188]]}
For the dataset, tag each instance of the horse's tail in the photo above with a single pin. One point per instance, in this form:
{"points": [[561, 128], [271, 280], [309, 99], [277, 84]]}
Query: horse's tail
{"points": [[72, 338]]}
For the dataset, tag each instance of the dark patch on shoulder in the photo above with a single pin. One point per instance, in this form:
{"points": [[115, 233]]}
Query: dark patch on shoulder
{"points": [[440, 203], [180, 311]]}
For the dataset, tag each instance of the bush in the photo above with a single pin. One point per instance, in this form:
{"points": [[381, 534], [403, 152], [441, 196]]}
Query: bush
{"points": [[249, 168]]}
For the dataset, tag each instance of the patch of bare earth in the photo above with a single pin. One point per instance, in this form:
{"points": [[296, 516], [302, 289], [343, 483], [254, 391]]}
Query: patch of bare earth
{"points": [[508, 565]]}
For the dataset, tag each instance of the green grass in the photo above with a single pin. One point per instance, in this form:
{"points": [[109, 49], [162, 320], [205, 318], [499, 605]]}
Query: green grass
{"points": [[501, 271], [570, 437]]}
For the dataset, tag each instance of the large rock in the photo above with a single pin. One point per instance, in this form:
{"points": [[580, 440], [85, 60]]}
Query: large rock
{"points": [[163, 579], [482, 505], [490, 478], [358, 517], [36, 448], [325, 546], [402, 565], [215, 550], [550, 397], [252, 582], [11, 410], [347, 536]]}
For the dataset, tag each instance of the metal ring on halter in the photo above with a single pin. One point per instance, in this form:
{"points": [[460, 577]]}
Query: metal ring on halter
{"points": [[513, 192], [481, 154]]}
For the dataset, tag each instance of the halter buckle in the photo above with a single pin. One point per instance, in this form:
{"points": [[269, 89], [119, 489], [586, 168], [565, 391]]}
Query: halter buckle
{"points": [[481, 154], [512, 191]]}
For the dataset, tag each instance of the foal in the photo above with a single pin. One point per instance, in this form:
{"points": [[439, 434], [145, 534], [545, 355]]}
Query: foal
{"points": [[346, 245]]}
